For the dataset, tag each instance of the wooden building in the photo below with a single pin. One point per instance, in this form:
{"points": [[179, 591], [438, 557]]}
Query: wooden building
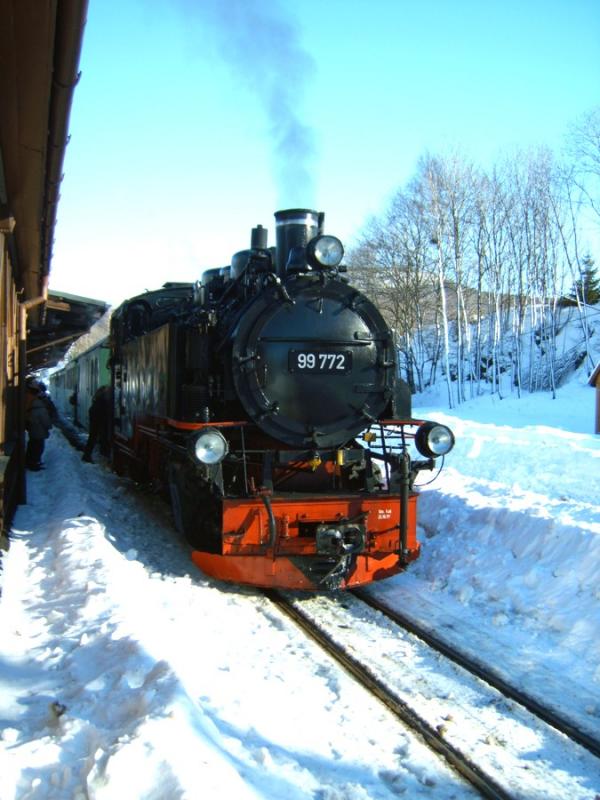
{"points": [[40, 45]]}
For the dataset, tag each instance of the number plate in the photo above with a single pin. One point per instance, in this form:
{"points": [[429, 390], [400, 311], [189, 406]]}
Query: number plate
{"points": [[333, 362]]}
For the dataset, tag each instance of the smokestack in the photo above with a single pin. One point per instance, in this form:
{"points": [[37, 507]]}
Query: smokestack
{"points": [[294, 227]]}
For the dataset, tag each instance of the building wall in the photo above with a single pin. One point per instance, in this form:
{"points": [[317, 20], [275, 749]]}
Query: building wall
{"points": [[11, 475]]}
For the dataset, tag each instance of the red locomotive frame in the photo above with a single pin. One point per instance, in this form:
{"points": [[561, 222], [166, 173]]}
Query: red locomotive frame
{"points": [[267, 536]]}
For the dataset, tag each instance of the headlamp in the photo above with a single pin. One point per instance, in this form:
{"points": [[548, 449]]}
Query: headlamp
{"points": [[433, 440], [324, 251], [209, 447]]}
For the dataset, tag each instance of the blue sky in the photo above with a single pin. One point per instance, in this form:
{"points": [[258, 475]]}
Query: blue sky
{"points": [[194, 120]]}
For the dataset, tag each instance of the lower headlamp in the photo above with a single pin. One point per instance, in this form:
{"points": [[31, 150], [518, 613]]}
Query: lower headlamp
{"points": [[433, 440], [209, 447]]}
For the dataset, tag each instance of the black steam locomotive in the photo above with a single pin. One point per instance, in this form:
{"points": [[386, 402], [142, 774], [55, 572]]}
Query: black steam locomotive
{"points": [[266, 400]]}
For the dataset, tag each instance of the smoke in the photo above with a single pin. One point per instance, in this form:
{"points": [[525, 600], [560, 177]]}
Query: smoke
{"points": [[262, 46]]}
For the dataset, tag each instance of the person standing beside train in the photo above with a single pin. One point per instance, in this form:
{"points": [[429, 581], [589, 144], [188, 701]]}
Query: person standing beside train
{"points": [[45, 397], [99, 423], [38, 424]]}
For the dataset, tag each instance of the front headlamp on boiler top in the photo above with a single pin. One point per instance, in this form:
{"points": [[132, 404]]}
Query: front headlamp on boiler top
{"points": [[324, 252]]}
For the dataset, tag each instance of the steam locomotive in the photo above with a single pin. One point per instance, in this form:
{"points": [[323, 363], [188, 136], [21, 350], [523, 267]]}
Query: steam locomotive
{"points": [[265, 400]]}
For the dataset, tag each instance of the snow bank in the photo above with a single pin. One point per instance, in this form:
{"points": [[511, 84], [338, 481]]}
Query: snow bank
{"points": [[511, 544]]}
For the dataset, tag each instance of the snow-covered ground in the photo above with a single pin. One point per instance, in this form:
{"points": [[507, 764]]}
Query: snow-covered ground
{"points": [[511, 544], [124, 672]]}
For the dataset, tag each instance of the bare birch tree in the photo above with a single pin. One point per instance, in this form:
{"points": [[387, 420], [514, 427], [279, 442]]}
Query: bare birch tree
{"points": [[469, 268], [583, 146]]}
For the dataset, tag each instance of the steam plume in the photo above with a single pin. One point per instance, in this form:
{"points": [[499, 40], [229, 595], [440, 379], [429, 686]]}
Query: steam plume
{"points": [[262, 47]]}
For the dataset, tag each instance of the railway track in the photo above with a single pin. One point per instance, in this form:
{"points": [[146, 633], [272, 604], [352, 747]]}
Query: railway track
{"points": [[486, 761], [462, 764], [485, 673]]}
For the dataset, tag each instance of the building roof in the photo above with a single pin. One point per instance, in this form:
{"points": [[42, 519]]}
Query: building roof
{"points": [[40, 47], [66, 317]]}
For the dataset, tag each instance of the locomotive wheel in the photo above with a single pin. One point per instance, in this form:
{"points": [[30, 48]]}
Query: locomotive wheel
{"points": [[196, 508]]}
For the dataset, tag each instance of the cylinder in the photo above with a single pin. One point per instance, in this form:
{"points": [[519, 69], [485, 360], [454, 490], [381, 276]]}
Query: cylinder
{"points": [[294, 227], [259, 238]]}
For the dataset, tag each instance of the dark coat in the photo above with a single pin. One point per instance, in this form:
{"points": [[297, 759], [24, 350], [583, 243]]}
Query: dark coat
{"points": [[37, 418], [101, 405]]}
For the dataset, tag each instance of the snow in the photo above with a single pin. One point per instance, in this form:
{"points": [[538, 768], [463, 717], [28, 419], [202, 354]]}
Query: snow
{"points": [[125, 672]]}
